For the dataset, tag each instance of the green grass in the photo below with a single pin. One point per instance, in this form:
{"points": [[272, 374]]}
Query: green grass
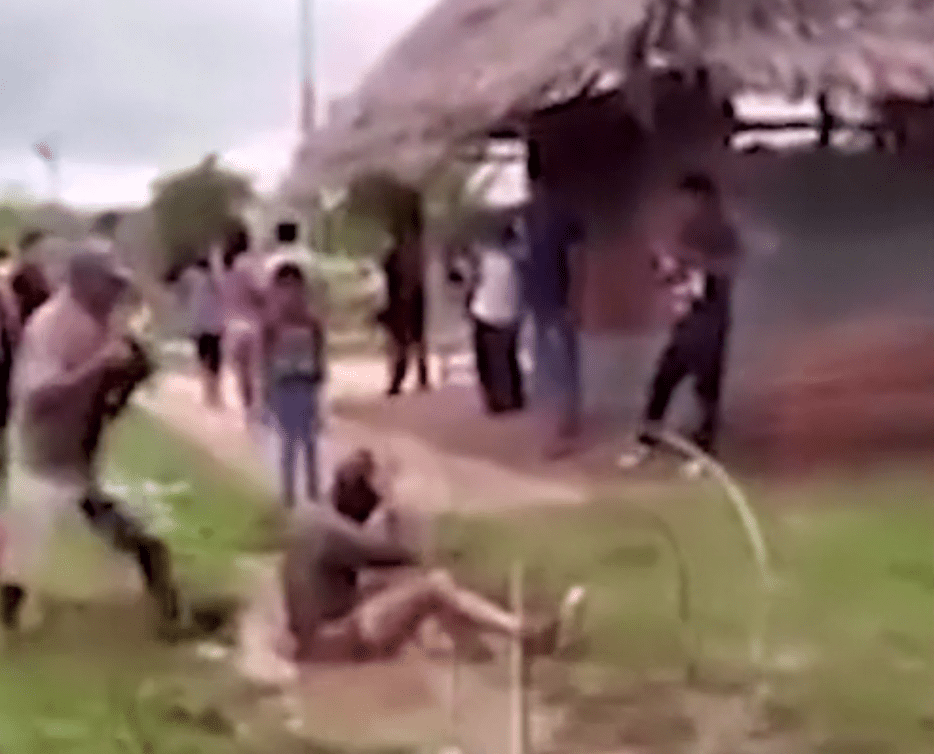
{"points": [[851, 634], [94, 679]]}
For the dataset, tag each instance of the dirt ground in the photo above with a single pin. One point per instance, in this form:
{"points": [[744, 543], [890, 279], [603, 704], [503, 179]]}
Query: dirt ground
{"points": [[414, 699], [409, 698]]}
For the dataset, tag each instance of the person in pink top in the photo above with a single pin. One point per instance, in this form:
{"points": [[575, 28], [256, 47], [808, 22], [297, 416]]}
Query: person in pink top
{"points": [[243, 305]]}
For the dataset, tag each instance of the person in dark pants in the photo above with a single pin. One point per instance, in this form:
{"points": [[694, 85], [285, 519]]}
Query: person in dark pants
{"points": [[552, 286], [496, 308], [700, 284], [201, 293], [404, 315]]}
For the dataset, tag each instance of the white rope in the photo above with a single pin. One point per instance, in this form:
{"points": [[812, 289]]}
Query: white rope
{"points": [[751, 528]]}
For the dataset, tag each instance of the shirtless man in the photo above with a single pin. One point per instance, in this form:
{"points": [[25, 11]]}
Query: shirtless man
{"points": [[71, 374], [333, 615]]}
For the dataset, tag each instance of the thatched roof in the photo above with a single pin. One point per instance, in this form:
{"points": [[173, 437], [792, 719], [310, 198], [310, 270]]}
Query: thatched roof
{"points": [[472, 63]]}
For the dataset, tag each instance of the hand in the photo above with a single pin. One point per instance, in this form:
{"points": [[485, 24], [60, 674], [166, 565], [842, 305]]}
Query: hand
{"points": [[115, 354]]}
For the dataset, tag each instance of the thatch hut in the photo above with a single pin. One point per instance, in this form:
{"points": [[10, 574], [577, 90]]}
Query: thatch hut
{"points": [[622, 94]]}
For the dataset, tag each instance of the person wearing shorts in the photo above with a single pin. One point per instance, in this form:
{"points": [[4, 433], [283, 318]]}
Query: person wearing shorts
{"points": [[332, 614], [68, 366]]}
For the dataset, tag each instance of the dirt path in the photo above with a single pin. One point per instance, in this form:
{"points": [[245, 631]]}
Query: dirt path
{"points": [[429, 482]]}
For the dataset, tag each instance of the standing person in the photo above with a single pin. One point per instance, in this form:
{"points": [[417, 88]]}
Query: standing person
{"points": [[404, 315], [495, 308], [72, 374], [26, 291], [243, 313], [699, 275], [293, 348], [553, 280], [202, 295]]}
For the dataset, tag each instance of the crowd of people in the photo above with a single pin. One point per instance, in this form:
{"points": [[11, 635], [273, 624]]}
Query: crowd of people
{"points": [[353, 585], [67, 369], [257, 313], [531, 269]]}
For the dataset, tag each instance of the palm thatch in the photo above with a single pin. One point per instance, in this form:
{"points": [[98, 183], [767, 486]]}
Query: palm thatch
{"points": [[471, 64]]}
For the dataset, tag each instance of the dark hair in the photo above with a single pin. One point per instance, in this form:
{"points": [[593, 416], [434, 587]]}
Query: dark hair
{"points": [[699, 184], [236, 242], [533, 160], [288, 272], [287, 232], [354, 495]]}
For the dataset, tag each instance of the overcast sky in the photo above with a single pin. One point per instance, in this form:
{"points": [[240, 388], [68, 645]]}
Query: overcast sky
{"points": [[132, 88]]}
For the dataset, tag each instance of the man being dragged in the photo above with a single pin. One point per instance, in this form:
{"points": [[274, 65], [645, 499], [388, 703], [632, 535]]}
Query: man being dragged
{"points": [[333, 615], [697, 270]]}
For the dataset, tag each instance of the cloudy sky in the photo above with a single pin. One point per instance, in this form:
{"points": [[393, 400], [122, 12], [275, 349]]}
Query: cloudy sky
{"points": [[130, 89]]}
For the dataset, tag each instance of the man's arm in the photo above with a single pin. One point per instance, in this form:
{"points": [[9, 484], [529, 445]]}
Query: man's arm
{"points": [[349, 545], [46, 384]]}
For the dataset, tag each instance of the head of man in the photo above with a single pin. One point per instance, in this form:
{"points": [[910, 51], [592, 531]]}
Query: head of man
{"points": [[707, 234], [287, 233], [98, 281], [355, 493]]}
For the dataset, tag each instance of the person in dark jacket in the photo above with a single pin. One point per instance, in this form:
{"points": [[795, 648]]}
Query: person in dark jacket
{"points": [[404, 314], [553, 285], [698, 274]]}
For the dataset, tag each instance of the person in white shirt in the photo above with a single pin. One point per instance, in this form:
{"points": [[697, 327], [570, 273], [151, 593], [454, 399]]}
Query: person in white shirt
{"points": [[496, 310]]}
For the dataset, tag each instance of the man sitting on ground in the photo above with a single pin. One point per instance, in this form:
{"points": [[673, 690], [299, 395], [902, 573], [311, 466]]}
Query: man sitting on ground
{"points": [[333, 617]]}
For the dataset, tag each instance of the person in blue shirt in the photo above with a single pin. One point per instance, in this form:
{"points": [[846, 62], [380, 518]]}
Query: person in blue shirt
{"points": [[552, 279]]}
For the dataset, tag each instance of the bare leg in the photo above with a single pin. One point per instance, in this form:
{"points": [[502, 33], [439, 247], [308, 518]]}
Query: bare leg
{"points": [[210, 381], [391, 619]]}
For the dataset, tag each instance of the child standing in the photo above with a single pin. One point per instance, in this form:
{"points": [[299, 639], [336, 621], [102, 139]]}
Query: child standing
{"points": [[293, 345]]}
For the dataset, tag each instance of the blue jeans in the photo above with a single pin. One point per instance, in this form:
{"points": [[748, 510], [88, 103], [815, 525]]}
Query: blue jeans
{"points": [[294, 405], [557, 369]]}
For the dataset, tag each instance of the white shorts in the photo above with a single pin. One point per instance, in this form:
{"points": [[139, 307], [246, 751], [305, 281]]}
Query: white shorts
{"points": [[36, 503]]}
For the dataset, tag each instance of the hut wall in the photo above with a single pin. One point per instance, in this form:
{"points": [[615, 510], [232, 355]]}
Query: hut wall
{"points": [[855, 241], [610, 167]]}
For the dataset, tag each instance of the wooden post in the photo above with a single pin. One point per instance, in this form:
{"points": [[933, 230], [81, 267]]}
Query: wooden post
{"points": [[520, 711]]}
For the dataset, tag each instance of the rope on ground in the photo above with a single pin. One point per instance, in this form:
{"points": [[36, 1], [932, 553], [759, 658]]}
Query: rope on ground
{"points": [[751, 528]]}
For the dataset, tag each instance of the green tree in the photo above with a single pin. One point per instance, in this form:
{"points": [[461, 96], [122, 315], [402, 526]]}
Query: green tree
{"points": [[383, 199], [193, 208]]}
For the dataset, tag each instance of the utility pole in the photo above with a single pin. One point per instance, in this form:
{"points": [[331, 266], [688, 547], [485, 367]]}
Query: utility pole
{"points": [[306, 51]]}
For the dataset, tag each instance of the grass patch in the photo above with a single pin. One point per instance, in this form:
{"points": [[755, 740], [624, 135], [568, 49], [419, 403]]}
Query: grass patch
{"points": [[93, 678], [851, 636]]}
